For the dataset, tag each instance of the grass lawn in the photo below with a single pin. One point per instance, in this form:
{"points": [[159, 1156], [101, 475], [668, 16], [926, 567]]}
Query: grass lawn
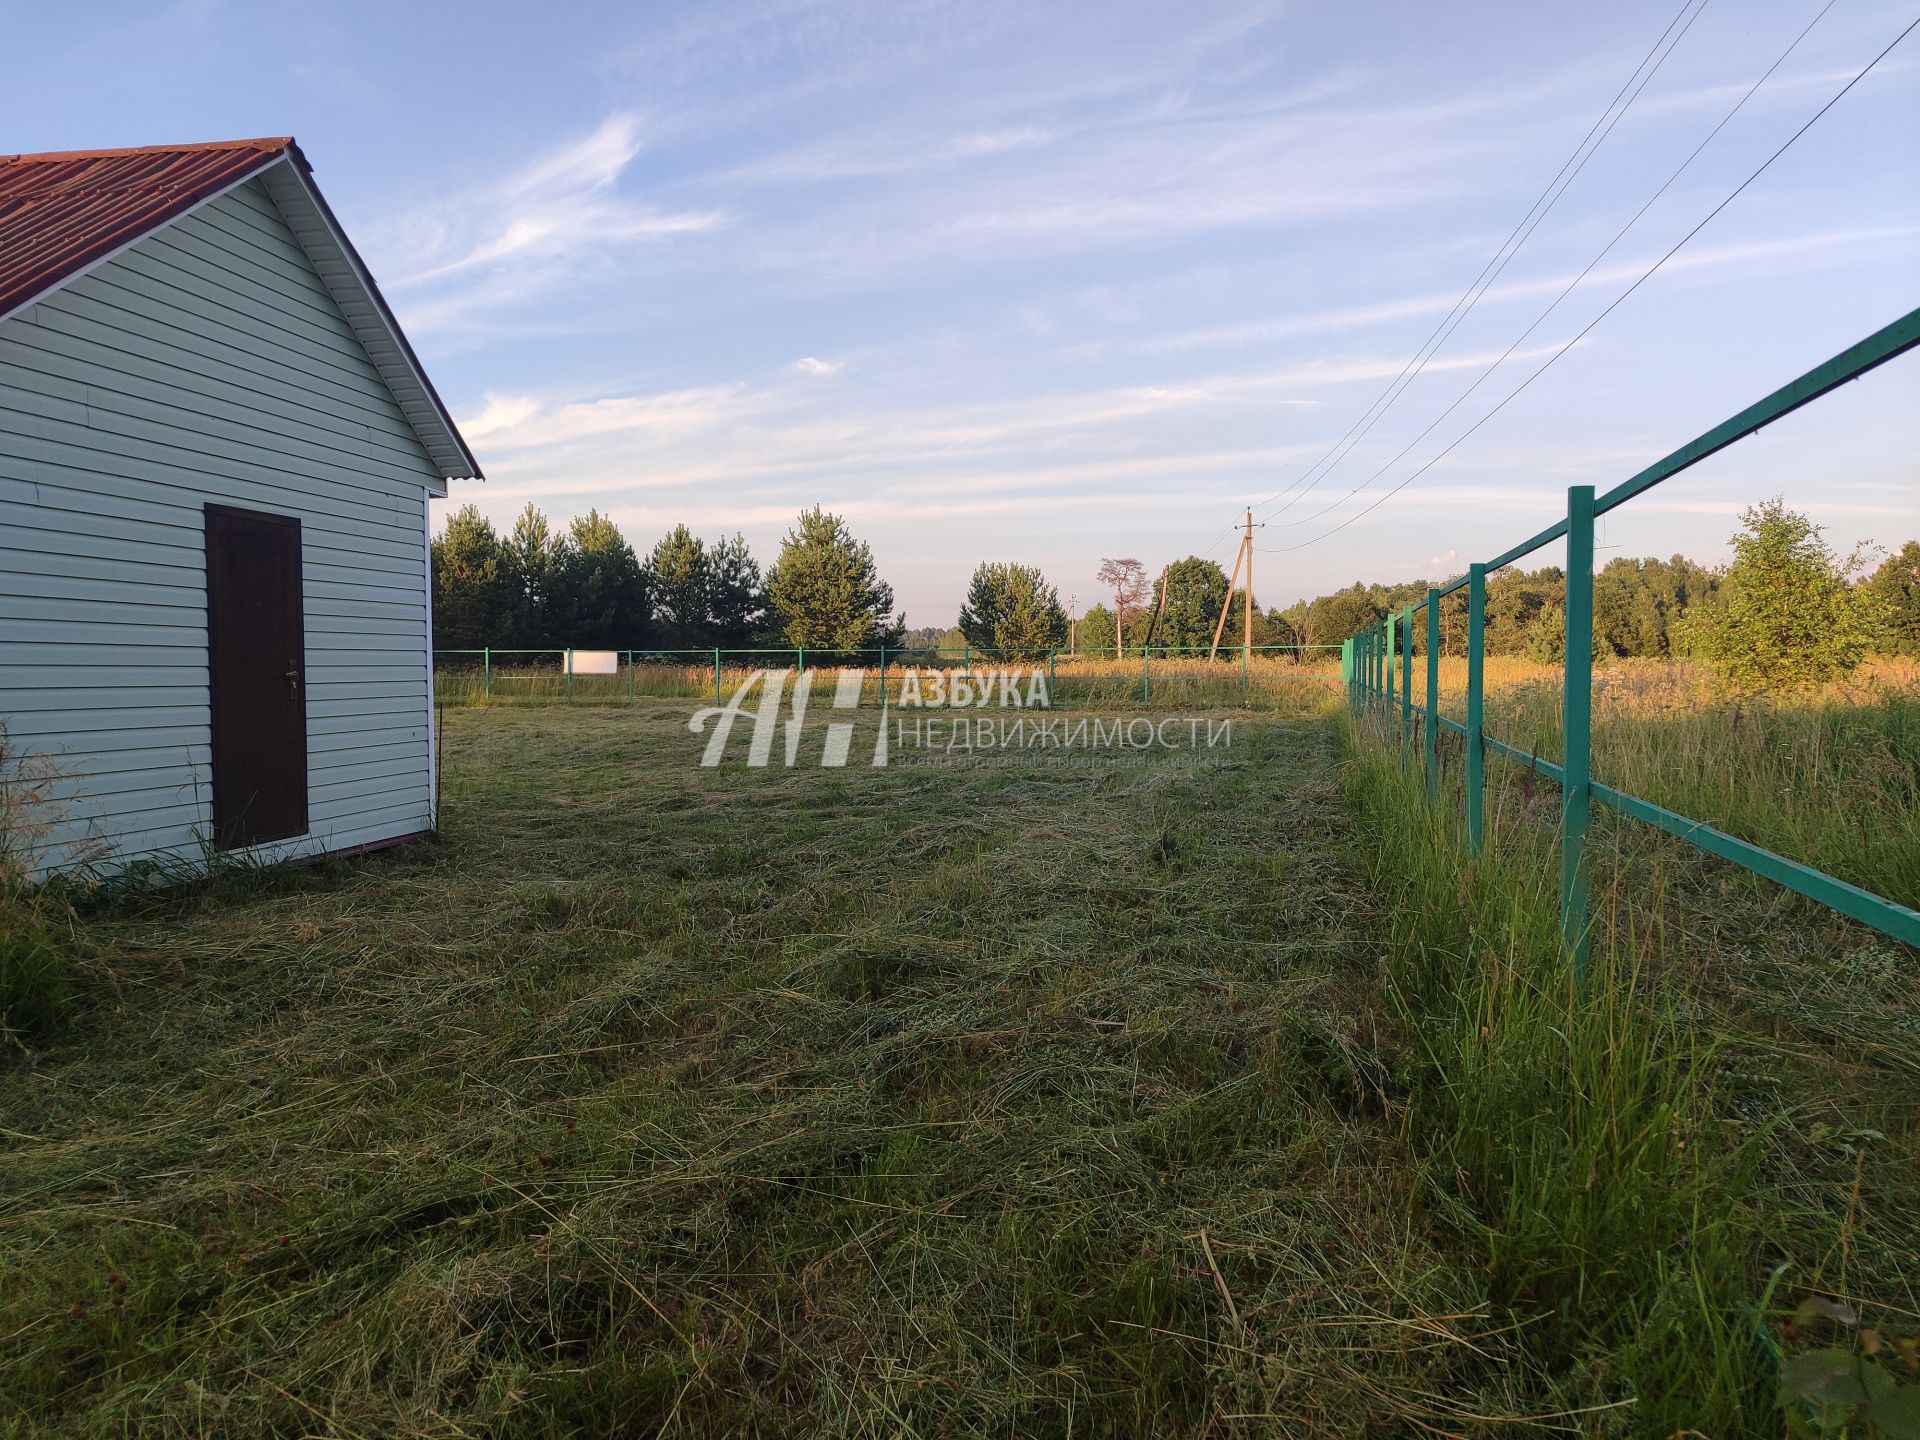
{"points": [[1005, 1098]]}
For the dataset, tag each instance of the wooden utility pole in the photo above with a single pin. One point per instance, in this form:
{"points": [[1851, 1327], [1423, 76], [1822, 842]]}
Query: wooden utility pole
{"points": [[1246, 653], [1242, 558]]}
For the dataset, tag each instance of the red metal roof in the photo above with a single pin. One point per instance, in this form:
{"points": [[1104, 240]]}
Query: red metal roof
{"points": [[63, 211]]}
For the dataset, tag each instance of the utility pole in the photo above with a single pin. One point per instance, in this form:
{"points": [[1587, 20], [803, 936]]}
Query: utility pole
{"points": [[1246, 639], [1242, 557], [1073, 625]]}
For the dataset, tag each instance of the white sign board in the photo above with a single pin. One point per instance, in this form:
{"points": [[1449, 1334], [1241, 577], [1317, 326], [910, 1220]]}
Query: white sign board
{"points": [[593, 662]]}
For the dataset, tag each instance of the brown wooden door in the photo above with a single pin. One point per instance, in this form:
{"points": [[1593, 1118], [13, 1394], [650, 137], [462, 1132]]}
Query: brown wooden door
{"points": [[256, 657]]}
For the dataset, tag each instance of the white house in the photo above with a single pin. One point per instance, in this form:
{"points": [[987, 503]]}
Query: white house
{"points": [[216, 452]]}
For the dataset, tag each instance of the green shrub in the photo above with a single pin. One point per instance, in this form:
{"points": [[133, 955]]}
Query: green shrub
{"points": [[1786, 616]]}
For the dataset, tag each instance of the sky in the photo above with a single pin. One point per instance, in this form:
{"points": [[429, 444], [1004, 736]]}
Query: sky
{"points": [[1056, 282]]}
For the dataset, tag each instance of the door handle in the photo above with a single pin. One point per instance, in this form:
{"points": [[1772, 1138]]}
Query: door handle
{"points": [[293, 680]]}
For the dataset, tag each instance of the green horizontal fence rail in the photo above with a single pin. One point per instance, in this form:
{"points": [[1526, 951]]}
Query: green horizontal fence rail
{"points": [[1367, 667], [499, 670]]}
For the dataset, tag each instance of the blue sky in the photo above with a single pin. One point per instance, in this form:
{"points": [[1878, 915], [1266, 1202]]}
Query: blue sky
{"points": [[1054, 282]]}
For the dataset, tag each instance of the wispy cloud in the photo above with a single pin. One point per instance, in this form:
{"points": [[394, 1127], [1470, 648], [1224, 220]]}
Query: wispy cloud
{"points": [[521, 422], [814, 365], [786, 433], [863, 159], [1821, 245], [557, 220]]}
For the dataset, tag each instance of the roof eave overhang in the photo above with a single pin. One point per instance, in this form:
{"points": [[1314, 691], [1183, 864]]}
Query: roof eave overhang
{"points": [[289, 181]]}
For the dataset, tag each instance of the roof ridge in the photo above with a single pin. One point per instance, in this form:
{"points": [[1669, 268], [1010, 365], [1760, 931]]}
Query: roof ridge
{"points": [[268, 143]]}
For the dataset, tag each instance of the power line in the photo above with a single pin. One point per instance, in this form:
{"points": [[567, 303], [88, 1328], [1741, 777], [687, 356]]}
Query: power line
{"points": [[1572, 285], [1651, 270], [1511, 246]]}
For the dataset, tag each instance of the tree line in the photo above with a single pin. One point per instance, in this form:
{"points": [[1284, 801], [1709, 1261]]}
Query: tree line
{"points": [[1787, 606], [585, 587]]}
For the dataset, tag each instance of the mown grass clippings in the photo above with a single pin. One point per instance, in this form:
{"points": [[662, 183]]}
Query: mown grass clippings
{"points": [[654, 1100]]}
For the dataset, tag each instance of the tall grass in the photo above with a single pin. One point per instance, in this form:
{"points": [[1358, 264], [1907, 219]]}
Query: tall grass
{"points": [[1638, 1158], [1564, 1117], [1266, 684], [34, 985], [1829, 777]]}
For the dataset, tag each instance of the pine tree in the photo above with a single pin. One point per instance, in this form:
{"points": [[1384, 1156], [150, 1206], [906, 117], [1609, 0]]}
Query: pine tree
{"points": [[1013, 612], [1126, 578], [530, 558], [826, 592], [680, 582], [737, 599], [599, 592], [470, 586]]}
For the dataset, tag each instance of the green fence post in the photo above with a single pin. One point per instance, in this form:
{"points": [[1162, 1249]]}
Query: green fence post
{"points": [[566, 659], [1051, 652], [1476, 710], [883, 677], [486, 671], [966, 661], [1576, 703], [1146, 683], [1392, 622], [629, 677], [1346, 668], [716, 674], [1406, 677], [1432, 720], [799, 662]]}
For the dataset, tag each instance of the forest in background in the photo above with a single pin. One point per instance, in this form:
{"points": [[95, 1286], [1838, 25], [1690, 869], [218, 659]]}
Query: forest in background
{"points": [[540, 586]]}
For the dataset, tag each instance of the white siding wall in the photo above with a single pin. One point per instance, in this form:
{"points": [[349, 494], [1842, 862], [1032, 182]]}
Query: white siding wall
{"points": [[207, 363]]}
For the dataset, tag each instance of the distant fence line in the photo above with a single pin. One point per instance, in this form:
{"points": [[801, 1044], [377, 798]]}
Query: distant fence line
{"points": [[1368, 666], [1187, 672]]}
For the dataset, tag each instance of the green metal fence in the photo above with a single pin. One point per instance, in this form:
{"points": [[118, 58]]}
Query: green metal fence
{"points": [[1158, 674], [1369, 661]]}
